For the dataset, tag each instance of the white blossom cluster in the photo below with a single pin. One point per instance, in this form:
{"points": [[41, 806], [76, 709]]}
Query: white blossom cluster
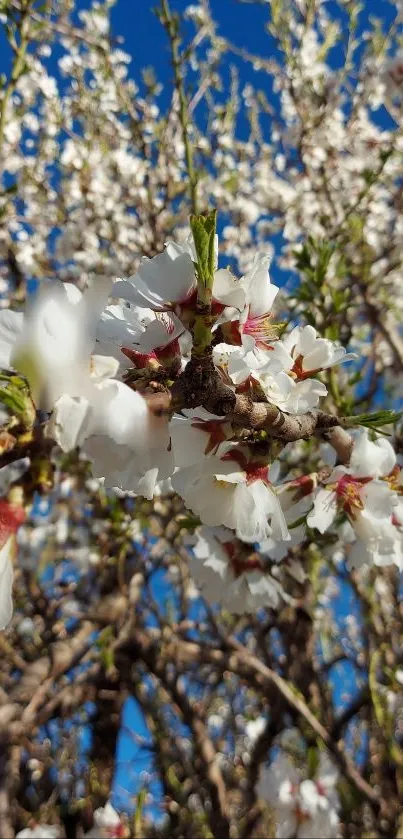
{"points": [[89, 364], [79, 180], [304, 808], [107, 825]]}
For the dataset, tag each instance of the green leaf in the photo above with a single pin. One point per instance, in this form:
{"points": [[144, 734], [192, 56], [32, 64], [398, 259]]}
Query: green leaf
{"points": [[375, 421]]}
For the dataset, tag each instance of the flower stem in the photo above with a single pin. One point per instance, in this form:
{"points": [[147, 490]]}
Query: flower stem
{"points": [[169, 21], [17, 68]]}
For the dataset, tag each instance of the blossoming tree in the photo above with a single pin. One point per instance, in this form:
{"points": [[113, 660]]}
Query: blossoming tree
{"points": [[201, 488]]}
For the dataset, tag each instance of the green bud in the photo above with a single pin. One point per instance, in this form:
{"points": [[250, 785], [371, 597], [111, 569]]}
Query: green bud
{"points": [[204, 230]]}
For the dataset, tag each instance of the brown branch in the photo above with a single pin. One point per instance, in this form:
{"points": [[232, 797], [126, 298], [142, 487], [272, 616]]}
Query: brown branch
{"points": [[244, 664], [219, 817]]}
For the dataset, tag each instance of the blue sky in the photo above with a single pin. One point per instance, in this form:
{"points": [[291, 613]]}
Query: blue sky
{"points": [[146, 42]]}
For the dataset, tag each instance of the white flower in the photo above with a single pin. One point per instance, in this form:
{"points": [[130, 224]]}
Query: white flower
{"points": [[195, 435], [253, 325], [291, 396], [304, 809], [107, 823], [168, 277], [238, 363], [127, 442], [168, 280], [40, 831], [225, 574], [51, 343], [140, 332], [368, 502], [373, 458], [254, 728], [234, 493], [311, 353]]}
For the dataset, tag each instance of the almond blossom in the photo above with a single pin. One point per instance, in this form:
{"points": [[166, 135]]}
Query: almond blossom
{"points": [[253, 327], [126, 441], [235, 492], [231, 576], [361, 493], [283, 369], [304, 808], [39, 831], [310, 353], [143, 336], [168, 281], [51, 343], [107, 824]]}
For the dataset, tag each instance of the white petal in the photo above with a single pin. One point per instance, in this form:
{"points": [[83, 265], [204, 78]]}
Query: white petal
{"points": [[70, 422], [167, 277], [11, 325], [324, 510], [371, 458], [6, 582], [103, 367], [106, 816], [260, 292], [227, 290]]}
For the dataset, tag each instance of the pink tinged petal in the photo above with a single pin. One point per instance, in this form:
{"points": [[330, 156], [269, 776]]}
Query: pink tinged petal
{"points": [[90, 306], [123, 415], [106, 816], [324, 356], [278, 359], [73, 294], [227, 290], [138, 294], [159, 333], [123, 324], [324, 510], [188, 443], [166, 278]]}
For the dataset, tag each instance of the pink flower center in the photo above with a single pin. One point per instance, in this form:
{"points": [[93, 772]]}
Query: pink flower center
{"points": [[262, 329], [298, 371], [302, 486], [139, 360], [240, 563], [254, 470], [11, 517], [216, 431], [348, 490]]}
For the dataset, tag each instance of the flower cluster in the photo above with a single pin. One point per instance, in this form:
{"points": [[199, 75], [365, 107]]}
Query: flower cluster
{"points": [[366, 499], [304, 808], [114, 379]]}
